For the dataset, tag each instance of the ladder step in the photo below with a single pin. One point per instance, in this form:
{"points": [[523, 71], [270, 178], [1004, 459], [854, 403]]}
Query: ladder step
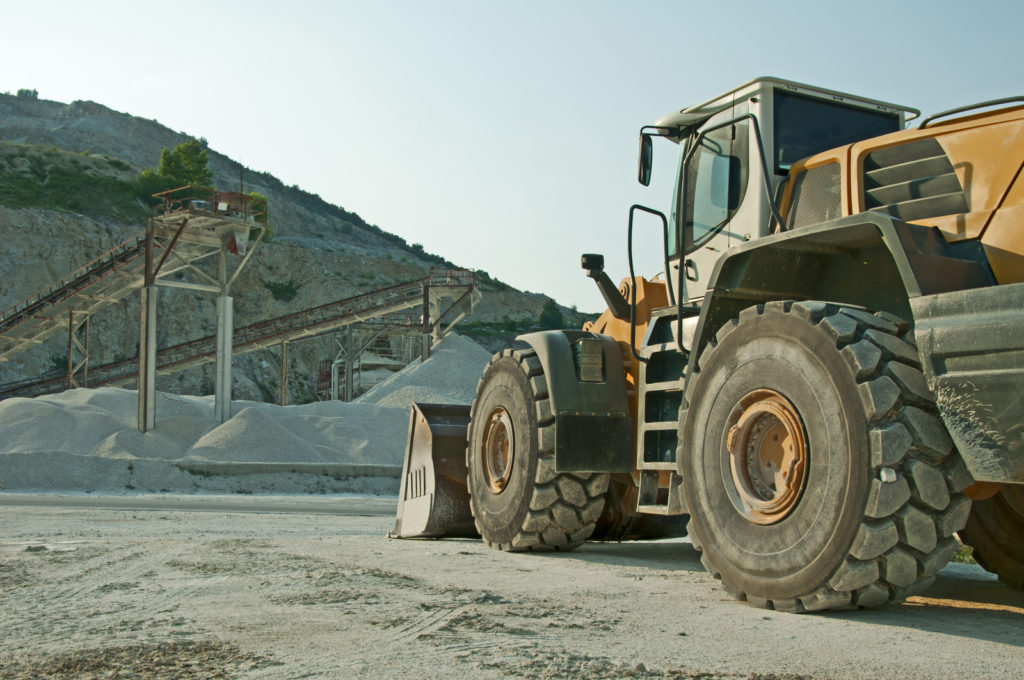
{"points": [[655, 500], [650, 350], [656, 510], [659, 425], [667, 386]]}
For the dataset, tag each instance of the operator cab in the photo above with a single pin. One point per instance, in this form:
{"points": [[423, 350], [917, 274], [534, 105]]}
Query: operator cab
{"points": [[735, 153]]}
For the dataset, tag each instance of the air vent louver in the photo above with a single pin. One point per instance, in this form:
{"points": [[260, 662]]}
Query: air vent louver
{"points": [[912, 181]]}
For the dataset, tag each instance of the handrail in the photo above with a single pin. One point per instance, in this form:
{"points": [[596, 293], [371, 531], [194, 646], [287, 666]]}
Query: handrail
{"points": [[970, 107], [193, 199]]}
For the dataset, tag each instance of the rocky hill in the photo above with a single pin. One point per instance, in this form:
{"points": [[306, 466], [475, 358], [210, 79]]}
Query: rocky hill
{"points": [[65, 178]]}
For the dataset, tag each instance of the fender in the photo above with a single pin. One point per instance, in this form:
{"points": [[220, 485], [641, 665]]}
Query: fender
{"points": [[870, 260], [969, 331], [587, 397]]}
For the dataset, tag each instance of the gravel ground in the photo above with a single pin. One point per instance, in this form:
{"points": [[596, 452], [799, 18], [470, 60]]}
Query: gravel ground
{"points": [[277, 587]]}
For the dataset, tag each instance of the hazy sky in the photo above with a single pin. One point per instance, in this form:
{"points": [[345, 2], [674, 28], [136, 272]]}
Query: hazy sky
{"points": [[499, 135]]}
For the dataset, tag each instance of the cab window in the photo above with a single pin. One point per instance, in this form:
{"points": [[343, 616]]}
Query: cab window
{"points": [[715, 182], [806, 125]]}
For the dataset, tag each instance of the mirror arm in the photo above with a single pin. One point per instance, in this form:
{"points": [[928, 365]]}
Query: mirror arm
{"points": [[617, 304]]}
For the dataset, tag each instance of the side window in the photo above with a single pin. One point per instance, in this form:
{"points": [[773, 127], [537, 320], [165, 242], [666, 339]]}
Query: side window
{"points": [[716, 180]]}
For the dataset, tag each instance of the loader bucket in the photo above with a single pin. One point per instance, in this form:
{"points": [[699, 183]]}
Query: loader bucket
{"points": [[433, 500]]}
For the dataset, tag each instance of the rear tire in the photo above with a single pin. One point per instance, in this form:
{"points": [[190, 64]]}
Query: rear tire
{"points": [[995, 529], [817, 472], [518, 500]]}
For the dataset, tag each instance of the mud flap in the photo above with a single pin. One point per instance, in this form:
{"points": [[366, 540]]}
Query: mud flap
{"points": [[433, 501]]}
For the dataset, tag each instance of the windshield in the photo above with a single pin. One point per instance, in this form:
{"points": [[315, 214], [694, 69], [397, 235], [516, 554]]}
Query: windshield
{"points": [[805, 126]]}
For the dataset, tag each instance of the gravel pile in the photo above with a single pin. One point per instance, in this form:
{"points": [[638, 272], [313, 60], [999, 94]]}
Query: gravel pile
{"points": [[86, 439], [449, 376]]}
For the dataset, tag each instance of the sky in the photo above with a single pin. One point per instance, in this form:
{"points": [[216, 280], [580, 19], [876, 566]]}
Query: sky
{"points": [[499, 135]]}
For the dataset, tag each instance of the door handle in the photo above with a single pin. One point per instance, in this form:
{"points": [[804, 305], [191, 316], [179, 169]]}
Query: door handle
{"points": [[690, 267]]}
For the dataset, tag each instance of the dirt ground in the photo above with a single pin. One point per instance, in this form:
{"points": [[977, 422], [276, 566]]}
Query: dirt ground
{"points": [[286, 587]]}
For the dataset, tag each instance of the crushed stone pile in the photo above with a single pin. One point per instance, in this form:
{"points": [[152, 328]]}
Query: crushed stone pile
{"points": [[86, 440], [449, 376]]}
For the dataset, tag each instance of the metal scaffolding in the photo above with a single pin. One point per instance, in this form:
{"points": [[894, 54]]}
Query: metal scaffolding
{"points": [[189, 224], [223, 222]]}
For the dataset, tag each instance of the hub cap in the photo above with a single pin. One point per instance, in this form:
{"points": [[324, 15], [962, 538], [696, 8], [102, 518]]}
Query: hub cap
{"points": [[499, 449], [767, 456]]}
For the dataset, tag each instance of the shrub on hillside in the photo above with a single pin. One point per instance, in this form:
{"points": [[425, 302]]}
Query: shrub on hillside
{"points": [[33, 177], [283, 291], [551, 316]]}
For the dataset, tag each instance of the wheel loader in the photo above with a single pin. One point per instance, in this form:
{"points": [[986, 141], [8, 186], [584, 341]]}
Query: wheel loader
{"points": [[824, 385]]}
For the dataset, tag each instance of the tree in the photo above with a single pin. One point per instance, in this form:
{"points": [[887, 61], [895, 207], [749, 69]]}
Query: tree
{"points": [[28, 94], [551, 316], [187, 163], [259, 203], [259, 211]]}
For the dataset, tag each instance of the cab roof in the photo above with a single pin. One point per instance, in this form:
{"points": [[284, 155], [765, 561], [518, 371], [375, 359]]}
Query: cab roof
{"points": [[695, 115]]}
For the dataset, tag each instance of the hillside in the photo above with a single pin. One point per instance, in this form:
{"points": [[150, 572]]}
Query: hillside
{"points": [[67, 195]]}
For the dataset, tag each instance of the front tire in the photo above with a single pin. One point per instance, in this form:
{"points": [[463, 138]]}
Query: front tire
{"points": [[518, 500], [817, 472]]}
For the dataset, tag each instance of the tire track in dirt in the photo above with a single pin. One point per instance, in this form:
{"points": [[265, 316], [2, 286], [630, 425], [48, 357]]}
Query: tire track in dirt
{"points": [[128, 595], [321, 604]]}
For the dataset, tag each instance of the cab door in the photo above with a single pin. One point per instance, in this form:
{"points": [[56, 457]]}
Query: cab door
{"points": [[713, 181]]}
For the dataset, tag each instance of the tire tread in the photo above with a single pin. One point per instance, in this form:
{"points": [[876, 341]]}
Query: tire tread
{"points": [[563, 507], [904, 537]]}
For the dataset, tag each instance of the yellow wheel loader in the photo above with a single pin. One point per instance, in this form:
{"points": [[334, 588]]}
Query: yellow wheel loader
{"points": [[828, 372]]}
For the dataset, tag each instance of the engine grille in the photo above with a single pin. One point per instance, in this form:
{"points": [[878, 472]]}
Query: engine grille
{"points": [[912, 181], [815, 196]]}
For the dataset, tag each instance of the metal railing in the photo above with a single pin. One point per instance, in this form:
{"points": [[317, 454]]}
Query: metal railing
{"points": [[192, 199]]}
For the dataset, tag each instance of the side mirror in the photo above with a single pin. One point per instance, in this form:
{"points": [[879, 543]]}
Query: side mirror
{"points": [[592, 262], [646, 159]]}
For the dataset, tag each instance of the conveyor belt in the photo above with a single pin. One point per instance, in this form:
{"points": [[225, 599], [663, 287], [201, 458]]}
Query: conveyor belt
{"points": [[367, 308]]}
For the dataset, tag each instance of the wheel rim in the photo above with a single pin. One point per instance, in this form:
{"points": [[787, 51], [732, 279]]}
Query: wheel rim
{"points": [[498, 449], [767, 456]]}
